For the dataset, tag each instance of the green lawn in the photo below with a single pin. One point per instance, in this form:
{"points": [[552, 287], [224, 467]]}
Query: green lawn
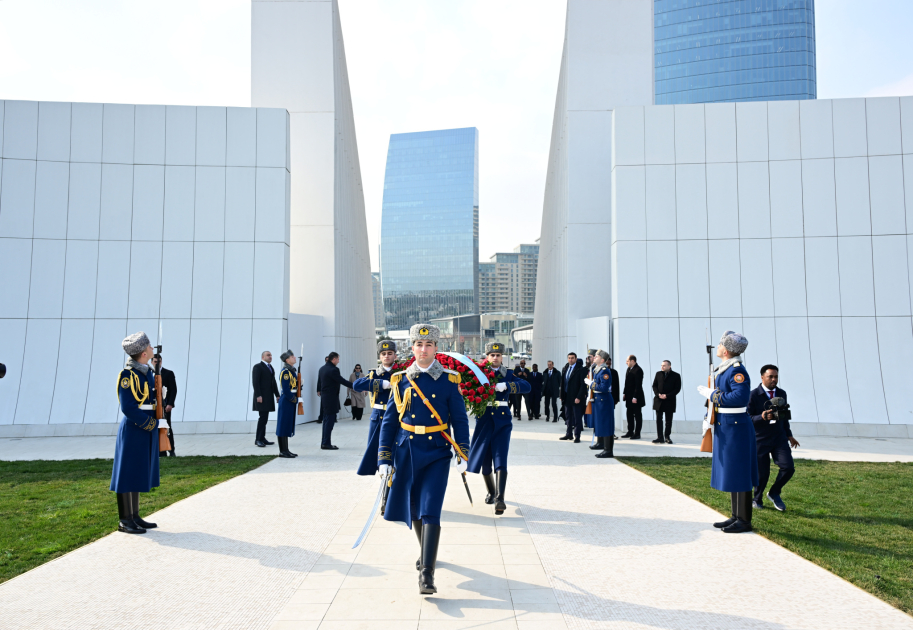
{"points": [[852, 518], [50, 508]]}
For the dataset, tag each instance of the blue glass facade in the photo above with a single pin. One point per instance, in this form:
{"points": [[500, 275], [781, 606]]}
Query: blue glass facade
{"points": [[708, 51], [429, 234]]}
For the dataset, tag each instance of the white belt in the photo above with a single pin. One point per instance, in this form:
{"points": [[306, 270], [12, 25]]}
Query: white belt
{"points": [[378, 406], [732, 409], [498, 403], [147, 407]]}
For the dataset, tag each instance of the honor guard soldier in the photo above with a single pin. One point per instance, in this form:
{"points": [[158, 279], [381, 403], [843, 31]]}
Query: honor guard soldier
{"points": [[491, 436], [735, 454], [136, 452], [603, 397], [377, 384], [288, 403], [426, 405]]}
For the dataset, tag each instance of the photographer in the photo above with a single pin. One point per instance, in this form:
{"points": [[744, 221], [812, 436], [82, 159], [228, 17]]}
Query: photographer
{"points": [[770, 414]]}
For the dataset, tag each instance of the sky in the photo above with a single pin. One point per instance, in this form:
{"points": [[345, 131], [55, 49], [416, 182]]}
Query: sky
{"points": [[413, 65]]}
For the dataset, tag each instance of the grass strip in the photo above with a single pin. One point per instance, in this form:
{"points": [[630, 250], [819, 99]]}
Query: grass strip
{"points": [[855, 519], [49, 508]]}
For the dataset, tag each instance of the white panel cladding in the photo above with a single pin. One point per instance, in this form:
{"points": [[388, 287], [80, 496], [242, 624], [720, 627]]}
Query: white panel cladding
{"points": [[691, 201], [906, 123], [241, 140], [629, 218], [20, 130], [660, 198], [659, 135], [690, 139], [205, 353], [662, 279], [211, 136], [233, 383], [693, 367], [110, 233], [240, 204], [53, 131], [808, 252]]}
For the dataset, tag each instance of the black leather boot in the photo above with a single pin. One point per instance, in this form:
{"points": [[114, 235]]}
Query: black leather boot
{"points": [[500, 506], [283, 448], [743, 514], [136, 519], [417, 528], [431, 538], [491, 487], [597, 445], [126, 523], [733, 497], [608, 448]]}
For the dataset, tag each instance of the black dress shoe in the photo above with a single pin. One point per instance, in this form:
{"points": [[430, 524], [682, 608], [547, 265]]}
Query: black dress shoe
{"points": [[144, 524], [320, 422], [268, 443], [260, 443], [635, 437], [555, 420], [739, 527], [577, 440], [627, 435], [286, 454], [330, 448], [729, 521], [658, 441], [668, 441], [565, 437]]}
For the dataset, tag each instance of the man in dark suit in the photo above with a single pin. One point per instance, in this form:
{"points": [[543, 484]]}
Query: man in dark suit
{"points": [[170, 385], [666, 386], [634, 398], [616, 388], [573, 396], [521, 373], [534, 397], [551, 389], [773, 436], [330, 380], [266, 393]]}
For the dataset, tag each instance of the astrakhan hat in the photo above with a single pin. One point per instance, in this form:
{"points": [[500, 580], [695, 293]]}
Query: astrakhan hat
{"points": [[603, 354], [285, 355], [494, 347], [135, 343], [424, 332], [386, 344], [734, 342]]}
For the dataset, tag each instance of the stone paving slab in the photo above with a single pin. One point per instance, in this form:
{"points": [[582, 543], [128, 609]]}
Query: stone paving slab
{"points": [[348, 434], [586, 543]]}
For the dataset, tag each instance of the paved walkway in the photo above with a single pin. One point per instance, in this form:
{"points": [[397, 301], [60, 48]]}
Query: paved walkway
{"points": [[586, 543]]}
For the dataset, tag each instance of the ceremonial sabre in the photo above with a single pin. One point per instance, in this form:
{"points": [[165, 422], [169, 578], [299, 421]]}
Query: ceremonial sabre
{"points": [[374, 510], [479, 374], [466, 485]]}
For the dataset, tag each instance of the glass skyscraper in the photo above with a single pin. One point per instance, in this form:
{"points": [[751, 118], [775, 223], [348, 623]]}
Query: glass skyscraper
{"points": [[429, 235], [708, 51]]}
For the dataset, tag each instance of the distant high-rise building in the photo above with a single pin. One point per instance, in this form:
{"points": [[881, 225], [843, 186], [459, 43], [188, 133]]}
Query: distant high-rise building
{"points": [[508, 281], [379, 323], [733, 50], [429, 235]]}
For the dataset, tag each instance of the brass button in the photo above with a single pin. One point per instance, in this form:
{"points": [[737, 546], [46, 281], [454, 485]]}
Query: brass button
{"points": [[433, 396], [429, 437], [413, 415], [410, 437]]}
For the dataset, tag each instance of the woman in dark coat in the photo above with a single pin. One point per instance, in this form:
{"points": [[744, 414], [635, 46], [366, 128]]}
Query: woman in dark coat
{"points": [[136, 451], [288, 403]]}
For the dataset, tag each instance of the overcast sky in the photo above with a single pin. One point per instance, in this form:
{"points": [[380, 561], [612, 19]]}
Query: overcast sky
{"points": [[413, 65]]}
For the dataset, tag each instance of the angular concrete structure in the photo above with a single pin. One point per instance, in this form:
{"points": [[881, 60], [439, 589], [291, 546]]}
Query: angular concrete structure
{"points": [[298, 63]]}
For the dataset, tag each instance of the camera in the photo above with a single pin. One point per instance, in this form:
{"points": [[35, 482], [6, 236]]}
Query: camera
{"points": [[2, 370], [780, 409]]}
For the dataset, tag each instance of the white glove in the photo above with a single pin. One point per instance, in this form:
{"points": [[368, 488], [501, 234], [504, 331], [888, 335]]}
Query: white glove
{"points": [[461, 465], [706, 392], [164, 392], [385, 384], [705, 427], [501, 387], [588, 381], [384, 469]]}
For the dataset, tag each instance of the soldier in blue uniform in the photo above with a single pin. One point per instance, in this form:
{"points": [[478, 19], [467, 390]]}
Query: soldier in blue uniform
{"points": [[426, 404], [491, 436], [735, 454], [603, 405], [377, 384], [136, 451], [288, 403]]}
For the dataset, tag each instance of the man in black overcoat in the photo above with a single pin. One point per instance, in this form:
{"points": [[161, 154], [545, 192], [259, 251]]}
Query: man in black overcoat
{"points": [[633, 396], [551, 389], [266, 393], [170, 385], [573, 396], [534, 397], [666, 386], [330, 380]]}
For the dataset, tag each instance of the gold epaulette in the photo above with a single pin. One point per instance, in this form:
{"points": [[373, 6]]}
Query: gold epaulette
{"points": [[454, 376], [736, 364]]}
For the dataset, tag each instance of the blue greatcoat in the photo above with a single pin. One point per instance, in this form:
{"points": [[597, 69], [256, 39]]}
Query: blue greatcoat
{"points": [[735, 452], [288, 402], [136, 452], [421, 461], [378, 397], [603, 402], [491, 436]]}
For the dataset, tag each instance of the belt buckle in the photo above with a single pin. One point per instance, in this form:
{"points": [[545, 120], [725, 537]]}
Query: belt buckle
{"points": [[420, 430]]}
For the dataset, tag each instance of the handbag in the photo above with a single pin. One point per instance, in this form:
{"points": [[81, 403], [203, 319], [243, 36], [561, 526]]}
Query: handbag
{"points": [[348, 402]]}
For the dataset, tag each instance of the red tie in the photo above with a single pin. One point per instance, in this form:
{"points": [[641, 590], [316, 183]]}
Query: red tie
{"points": [[770, 394]]}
